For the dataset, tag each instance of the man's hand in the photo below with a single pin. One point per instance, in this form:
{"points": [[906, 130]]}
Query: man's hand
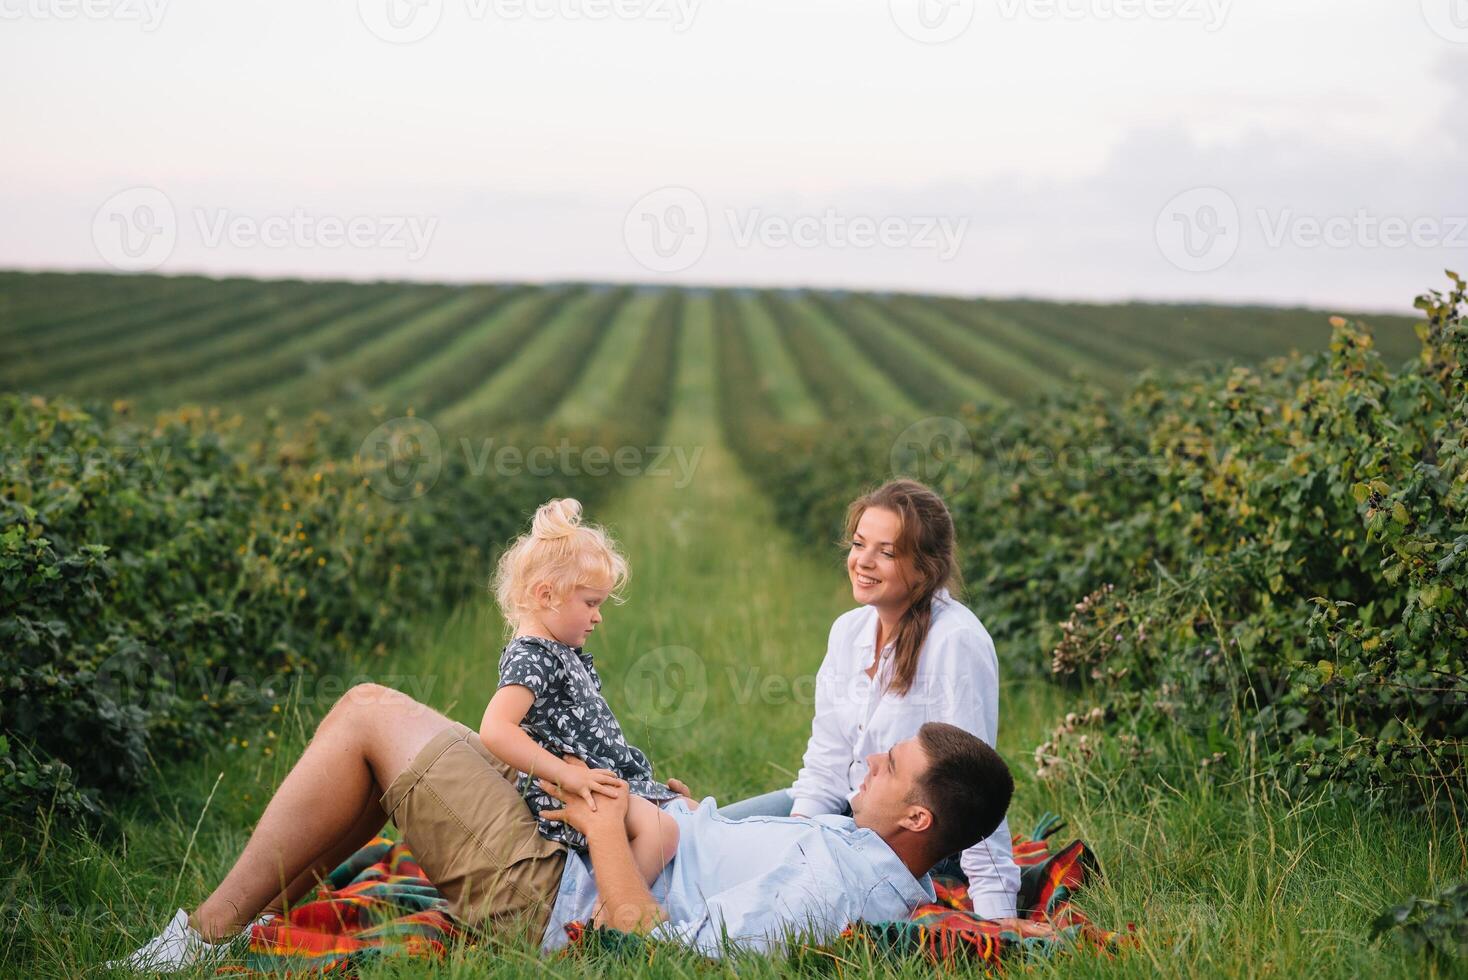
{"points": [[578, 809]]}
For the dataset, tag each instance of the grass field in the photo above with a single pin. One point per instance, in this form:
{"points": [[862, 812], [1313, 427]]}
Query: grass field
{"points": [[1220, 880], [471, 354]]}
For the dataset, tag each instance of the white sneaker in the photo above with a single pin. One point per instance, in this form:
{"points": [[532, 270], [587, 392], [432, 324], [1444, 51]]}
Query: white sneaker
{"points": [[175, 948]]}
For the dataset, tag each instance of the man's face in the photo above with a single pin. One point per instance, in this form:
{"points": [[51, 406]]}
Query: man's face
{"points": [[883, 802]]}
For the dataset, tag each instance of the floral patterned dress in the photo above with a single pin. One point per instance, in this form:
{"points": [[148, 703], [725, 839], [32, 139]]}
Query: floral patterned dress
{"points": [[570, 716]]}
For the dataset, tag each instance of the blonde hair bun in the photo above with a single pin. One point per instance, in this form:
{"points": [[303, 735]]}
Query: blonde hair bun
{"points": [[562, 551], [556, 519]]}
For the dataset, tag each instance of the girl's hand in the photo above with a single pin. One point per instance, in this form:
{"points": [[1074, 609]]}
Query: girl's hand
{"points": [[580, 781]]}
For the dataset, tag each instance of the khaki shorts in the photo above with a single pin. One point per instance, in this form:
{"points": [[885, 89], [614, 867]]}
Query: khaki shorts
{"points": [[457, 808]]}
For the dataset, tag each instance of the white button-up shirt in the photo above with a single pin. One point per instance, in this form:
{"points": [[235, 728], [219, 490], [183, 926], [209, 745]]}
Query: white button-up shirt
{"points": [[957, 681]]}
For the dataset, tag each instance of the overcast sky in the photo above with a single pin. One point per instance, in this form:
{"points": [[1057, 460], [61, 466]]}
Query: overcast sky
{"points": [[1309, 151]]}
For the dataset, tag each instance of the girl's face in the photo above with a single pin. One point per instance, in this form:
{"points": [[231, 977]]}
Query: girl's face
{"points": [[878, 576], [572, 617]]}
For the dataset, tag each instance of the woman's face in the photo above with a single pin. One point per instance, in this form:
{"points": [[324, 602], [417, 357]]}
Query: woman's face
{"points": [[878, 577]]}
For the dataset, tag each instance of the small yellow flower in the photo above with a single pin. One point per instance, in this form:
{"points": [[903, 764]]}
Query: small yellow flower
{"points": [[285, 505], [320, 561], [274, 707]]}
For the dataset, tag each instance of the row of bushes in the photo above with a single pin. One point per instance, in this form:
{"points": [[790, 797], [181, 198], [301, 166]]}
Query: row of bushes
{"points": [[1272, 556], [164, 578]]}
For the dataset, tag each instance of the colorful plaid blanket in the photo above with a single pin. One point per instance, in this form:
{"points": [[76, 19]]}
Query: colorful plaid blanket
{"points": [[1046, 924], [378, 903]]}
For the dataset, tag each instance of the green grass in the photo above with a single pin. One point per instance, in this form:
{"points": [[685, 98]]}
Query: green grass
{"points": [[774, 367], [1222, 880], [611, 363]]}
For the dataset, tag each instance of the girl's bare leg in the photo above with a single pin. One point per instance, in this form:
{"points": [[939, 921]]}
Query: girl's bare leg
{"points": [[653, 836], [370, 736]]}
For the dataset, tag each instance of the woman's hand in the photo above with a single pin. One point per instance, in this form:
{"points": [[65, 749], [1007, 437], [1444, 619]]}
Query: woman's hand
{"points": [[681, 788], [580, 781]]}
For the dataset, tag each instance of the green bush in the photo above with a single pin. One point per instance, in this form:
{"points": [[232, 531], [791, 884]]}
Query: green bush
{"points": [[162, 579], [1270, 560]]}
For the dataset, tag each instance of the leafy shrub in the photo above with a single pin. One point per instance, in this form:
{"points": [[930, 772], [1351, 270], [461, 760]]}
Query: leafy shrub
{"points": [[1438, 924], [1273, 556], [162, 579]]}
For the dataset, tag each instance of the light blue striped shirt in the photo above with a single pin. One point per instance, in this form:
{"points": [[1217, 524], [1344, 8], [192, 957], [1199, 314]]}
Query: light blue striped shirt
{"points": [[755, 884]]}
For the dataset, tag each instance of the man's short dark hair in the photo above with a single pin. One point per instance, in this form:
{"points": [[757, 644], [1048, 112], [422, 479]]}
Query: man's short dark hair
{"points": [[967, 787]]}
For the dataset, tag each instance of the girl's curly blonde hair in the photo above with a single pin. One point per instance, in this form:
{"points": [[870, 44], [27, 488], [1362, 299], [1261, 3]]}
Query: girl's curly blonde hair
{"points": [[559, 550]]}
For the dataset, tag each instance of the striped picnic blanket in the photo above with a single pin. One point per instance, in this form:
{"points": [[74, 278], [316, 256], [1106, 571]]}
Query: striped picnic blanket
{"points": [[378, 903]]}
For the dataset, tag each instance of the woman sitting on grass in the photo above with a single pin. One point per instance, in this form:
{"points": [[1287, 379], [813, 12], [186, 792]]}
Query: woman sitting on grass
{"points": [[910, 654]]}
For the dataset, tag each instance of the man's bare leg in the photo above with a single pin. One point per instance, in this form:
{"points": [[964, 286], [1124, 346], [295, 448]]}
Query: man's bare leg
{"points": [[370, 736], [368, 826]]}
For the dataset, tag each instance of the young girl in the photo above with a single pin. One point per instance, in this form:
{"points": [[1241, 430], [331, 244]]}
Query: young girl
{"points": [[551, 584]]}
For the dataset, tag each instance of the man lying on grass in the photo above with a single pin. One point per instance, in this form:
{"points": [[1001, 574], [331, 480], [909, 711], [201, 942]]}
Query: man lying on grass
{"points": [[754, 884]]}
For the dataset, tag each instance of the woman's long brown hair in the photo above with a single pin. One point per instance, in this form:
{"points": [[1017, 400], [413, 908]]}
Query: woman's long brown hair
{"points": [[926, 542]]}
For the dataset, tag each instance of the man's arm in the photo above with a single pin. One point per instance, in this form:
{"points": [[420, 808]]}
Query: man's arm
{"points": [[626, 903]]}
